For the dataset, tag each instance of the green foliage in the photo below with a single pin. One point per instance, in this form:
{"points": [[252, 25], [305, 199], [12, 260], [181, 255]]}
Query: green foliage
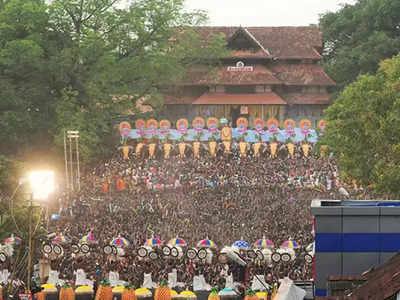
{"points": [[105, 282], [214, 291], [357, 37], [77, 65], [92, 123], [24, 81], [250, 292], [129, 286], [66, 285], [9, 173], [163, 282], [13, 207], [363, 129]]}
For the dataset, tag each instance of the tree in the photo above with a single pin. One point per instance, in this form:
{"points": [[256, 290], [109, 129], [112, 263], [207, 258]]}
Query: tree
{"points": [[357, 37], [76, 64], [25, 109], [113, 57], [363, 129]]}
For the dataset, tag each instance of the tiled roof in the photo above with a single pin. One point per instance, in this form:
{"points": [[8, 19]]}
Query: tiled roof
{"points": [[281, 42], [249, 54], [295, 74], [302, 74], [221, 76], [301, 98], [171, 99], [262, 98], [382, 283]]}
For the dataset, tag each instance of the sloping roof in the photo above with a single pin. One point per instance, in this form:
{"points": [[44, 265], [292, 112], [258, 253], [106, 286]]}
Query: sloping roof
{"points": [[262, 98], [202, 76], [249, 54], [382, 283], [282, 42], [257, 42], [171, 99], [252, 41], [296, 74], [301, 98], [302, 74]]}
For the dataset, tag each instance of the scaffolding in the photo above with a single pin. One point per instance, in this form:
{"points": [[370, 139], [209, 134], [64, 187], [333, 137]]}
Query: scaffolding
{"points": [[71, 157]]}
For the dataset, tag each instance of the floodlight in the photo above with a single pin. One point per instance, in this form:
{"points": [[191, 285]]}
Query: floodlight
{"points": [[42, 183]]}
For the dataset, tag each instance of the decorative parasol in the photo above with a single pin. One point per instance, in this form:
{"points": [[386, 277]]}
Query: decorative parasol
{"points": [[263, 243], [290, 244], [13, 240], [153, 242], [241, 244], [61, 239], [206, 243], [89, 238], [310, 247], [177, 242], [120, 241]]}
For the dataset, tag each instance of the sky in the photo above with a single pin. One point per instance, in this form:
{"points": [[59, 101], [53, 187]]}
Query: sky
{"points": [[265, 12]]}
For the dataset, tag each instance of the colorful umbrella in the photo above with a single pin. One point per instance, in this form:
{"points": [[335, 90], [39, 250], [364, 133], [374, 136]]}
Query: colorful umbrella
{"points": [[206, 243], [241, 244], [61, 239], [120, 241], [153, 242], [310, 247], [13, 240], [290, 244], [177, 242], [263, 243], [89, 238]]}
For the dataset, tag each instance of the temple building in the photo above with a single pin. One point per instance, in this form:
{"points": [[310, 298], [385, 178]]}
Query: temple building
{"points": [[273, 72]]}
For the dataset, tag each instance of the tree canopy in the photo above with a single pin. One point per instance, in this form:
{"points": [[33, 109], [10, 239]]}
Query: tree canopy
{"points": [[76, 64], [357, 37], [363, 129]]}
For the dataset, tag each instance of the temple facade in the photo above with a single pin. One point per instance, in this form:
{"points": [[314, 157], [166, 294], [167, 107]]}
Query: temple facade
{"points": [[273, 72]]}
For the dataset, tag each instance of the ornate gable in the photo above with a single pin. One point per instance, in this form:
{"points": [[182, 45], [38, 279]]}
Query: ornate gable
{"points": [[242, 39]]}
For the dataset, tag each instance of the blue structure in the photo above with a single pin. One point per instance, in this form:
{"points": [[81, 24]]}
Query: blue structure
{"points": [[353, 236]]}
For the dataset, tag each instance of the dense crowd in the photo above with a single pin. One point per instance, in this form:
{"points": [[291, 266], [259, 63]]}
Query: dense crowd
{"points": [[223, 198]]}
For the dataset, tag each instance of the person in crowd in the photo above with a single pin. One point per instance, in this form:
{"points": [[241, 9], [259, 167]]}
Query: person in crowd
{"points": [[223, 198]]}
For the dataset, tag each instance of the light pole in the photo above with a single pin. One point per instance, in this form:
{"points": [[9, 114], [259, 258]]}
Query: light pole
{"points": [[42, 184], [30, 212]]}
